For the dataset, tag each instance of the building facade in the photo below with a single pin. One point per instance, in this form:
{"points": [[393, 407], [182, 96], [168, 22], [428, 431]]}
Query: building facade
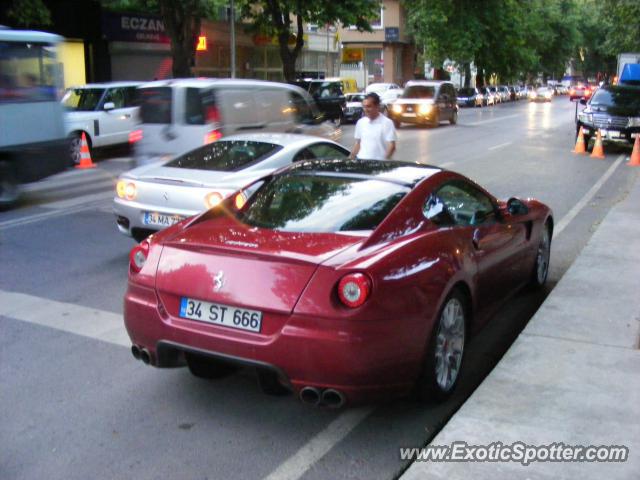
{"points": [[385, 55]]}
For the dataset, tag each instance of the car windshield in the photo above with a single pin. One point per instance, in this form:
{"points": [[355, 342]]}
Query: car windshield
{"points": [[321, 203], [355, 98], [466, 92], [419, 91], [82, 99], [225, 155], [619, 97]]}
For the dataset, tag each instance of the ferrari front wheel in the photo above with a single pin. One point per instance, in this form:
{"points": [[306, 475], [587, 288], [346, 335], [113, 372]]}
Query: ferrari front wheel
{"points": [[446, 350], [543, 256]]}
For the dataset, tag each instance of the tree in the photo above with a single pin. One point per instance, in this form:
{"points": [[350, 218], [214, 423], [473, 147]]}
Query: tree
{"points": [[504, 38], [29, 13], [277, 17]]}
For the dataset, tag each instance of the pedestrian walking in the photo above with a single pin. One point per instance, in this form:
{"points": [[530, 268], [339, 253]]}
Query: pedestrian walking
{"points": [[375, 134]]}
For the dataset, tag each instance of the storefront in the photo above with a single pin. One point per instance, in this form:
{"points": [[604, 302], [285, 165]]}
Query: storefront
{"points": [[139, 48]]}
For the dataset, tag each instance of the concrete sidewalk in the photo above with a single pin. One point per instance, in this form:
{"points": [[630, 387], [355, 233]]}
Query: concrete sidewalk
{"points": [[573, 374]]}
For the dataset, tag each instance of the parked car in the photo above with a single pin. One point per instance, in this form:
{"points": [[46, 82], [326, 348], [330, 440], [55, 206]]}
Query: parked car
{"points": [[505, 94], [180, 115], [353, 111], [343, 281], [328, 95], [513, 93], [425, 102], [496, 93], [388, 92], [152, 197], [488, 97], [615, 111], [105, 112], [469, 97], [541, 94]]}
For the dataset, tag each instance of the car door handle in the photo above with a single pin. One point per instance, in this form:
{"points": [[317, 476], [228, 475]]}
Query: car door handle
{"points": [[475, 239]]}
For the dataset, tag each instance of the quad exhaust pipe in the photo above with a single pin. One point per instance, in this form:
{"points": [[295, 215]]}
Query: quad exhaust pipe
{"points": [[318, 397]]}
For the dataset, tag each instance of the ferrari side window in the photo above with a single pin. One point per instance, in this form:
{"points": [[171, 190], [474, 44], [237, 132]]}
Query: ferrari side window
{"points": [[435, 210], [465, 204]]}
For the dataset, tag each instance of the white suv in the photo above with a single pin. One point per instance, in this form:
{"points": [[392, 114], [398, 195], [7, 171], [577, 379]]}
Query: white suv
{"points": [[105, 112]]}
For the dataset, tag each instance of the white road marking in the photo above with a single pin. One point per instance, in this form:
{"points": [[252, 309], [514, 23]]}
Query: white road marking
{"points": [[500, 145], [79, 204], [316, 448], [492, 120], [571, 214], [68, 317], [67, 179], [81, 200]]}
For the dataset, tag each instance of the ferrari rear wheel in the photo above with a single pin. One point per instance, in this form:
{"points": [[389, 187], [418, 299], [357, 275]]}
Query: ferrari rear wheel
{"points": [[446, 350], [543, 255], [208, 368]]}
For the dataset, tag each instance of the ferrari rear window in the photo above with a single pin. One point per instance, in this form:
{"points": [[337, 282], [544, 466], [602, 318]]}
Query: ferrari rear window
{"points": [[321, 203], [225, 155]]}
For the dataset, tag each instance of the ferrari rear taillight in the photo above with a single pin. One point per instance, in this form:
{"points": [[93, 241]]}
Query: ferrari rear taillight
{"points": [[138, 256], [354, 289]]}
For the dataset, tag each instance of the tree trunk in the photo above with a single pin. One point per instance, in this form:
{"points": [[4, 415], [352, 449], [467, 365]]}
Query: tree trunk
{"points": [[480, 76], [467, 74], [182, 23]]}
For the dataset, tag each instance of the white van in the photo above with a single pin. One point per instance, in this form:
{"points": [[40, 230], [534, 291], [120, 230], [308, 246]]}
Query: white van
{"points": [[182, 114]]}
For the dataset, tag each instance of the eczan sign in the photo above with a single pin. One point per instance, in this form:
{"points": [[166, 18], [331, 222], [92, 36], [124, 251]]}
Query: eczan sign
{"points": [[141, 24], [134, 28]]}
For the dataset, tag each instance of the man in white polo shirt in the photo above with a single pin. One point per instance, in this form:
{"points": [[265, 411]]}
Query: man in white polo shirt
{"points": [[375, 134]]}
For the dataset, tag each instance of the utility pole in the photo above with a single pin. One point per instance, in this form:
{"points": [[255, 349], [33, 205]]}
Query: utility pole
{"points": [[232, 19]]}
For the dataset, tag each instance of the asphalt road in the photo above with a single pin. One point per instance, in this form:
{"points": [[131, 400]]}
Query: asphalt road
{"points": [[76, 405]]}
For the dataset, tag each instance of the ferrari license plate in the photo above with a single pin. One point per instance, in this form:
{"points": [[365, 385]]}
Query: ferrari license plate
{"points": [[160, 219], [219, 314]]}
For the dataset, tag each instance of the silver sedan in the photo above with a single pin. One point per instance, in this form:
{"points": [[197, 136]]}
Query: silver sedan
{"points": [[152, 197]]}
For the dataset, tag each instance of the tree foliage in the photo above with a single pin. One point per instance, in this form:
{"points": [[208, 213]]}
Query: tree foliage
{"points": [[29, 13], [508, 39]]}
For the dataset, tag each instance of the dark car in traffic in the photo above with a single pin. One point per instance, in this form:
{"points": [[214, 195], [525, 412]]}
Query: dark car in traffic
{"points": [[615, 111], [328, 95], [469, 97], [425, 102]]}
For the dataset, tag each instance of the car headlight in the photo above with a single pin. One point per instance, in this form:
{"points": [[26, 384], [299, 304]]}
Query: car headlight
{"points": [[548, 95], [126, 189], [424, 109], [634, 122], [396, 108]]}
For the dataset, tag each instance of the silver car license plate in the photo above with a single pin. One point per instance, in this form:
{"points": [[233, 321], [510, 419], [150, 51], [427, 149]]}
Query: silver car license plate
{"points": [[160, 219]]}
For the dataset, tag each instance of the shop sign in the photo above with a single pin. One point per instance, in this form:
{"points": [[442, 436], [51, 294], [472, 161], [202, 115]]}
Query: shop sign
{"points": [[133, 27], [352, 55]]}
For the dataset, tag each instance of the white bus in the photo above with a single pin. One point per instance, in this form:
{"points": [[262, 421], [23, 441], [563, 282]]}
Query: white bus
{"points": [[32, 137]]}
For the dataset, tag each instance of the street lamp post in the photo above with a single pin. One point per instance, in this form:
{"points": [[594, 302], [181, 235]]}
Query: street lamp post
{"points": [[232, 19]]}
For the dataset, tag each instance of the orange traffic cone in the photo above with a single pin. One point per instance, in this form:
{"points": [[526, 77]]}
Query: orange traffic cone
{"points": [[85, 156], [635, 154], [598, 150], [580, 145]]}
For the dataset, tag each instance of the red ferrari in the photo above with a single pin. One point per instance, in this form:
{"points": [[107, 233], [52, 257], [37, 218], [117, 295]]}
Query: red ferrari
{"points": [[342, 281]]}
